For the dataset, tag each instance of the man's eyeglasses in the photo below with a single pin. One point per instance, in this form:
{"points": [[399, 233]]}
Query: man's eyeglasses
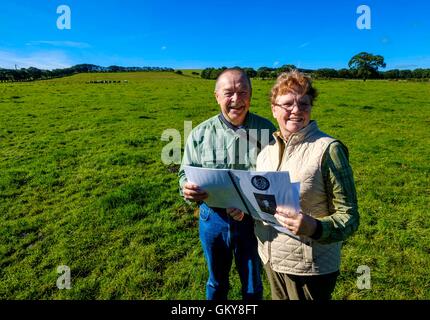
{"points": [[290, 106]]}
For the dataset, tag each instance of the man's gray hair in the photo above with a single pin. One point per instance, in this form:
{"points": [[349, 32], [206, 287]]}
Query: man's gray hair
{"points": [[234, 70]]}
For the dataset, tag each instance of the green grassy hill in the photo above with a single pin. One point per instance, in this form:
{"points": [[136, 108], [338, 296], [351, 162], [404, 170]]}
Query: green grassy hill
{"points": [[82, 184]]}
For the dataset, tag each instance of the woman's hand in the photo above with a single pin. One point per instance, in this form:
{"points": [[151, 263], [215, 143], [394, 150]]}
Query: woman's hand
{"points": [[297, 222]]}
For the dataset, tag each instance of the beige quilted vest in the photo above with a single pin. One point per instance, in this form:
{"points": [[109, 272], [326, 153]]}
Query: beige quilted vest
{"points": [[301, 155]]}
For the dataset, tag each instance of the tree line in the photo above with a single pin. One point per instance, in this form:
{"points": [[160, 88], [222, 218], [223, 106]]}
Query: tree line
{"points": [[30, 74], [324, 73], [361, 66]]}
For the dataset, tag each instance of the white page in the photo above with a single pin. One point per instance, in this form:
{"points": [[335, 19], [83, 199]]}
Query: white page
{"points": [[263, 198], [217, 183]]}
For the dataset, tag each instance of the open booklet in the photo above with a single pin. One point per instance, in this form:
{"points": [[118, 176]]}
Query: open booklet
{"points": [[253, 192]]}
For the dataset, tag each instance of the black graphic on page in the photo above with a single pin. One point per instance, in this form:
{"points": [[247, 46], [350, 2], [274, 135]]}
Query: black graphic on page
{"points": [[266, 202]]}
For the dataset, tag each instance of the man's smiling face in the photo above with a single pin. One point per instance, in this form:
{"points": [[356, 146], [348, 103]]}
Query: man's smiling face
{"points": [[233, 94]]}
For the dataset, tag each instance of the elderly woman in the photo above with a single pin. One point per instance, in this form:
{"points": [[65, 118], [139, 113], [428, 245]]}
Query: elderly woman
{"points": [[306, 268]]}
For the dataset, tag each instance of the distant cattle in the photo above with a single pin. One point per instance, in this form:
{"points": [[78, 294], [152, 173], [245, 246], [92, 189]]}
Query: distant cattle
{"points": [[105, 81]]}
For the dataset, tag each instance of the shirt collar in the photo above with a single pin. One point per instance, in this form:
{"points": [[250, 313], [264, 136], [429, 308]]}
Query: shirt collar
{"points": [[232, 126]]}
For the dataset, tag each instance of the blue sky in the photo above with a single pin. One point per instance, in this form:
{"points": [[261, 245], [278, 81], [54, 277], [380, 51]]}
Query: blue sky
{"points": [[199, 34]]}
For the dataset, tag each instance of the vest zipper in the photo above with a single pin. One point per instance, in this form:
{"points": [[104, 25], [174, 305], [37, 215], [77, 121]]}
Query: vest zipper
{"points": [[285, 150], [269, 247]]}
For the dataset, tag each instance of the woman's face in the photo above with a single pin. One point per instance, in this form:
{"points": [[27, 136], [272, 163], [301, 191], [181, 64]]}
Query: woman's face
{"points": [[292, 111]]}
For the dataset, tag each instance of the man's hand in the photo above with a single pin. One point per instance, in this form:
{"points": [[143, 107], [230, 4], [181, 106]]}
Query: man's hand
{"points": [[193, 192], [236, 214], [298, 223]]}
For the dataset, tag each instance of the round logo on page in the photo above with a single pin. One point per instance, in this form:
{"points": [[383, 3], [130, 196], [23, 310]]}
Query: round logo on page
{"points": [[260, 183]]}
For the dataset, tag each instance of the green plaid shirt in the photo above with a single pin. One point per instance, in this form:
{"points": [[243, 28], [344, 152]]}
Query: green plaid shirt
{"points": [[342, 197]]}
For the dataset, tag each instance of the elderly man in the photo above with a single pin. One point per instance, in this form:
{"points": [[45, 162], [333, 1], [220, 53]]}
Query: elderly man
{"points": [[216, 143], [306, 268]]}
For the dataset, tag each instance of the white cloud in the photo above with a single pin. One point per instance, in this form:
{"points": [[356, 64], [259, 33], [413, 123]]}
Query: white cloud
{"points": [[385, 40], [163, 48], [275, 63], [69, 44], [304, 45], [42, 60]]}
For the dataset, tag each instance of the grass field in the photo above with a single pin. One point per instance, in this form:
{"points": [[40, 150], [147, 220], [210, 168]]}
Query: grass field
{"points": [[82, 184]]}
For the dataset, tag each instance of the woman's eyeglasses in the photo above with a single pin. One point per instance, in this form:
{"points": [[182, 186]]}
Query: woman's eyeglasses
{"points": [[290, 106]]}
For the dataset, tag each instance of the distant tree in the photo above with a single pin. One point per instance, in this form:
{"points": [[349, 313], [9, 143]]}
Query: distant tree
{"points": [[116, 69], [179, 72], [34, 73], [418, 73], [22, 74], [205, 73], [286, 68], [326, 73], [274, 74], [366, 65], [3, 74], [392, 74], [214, 73], [85, 67], [263, 72], [405, 74], [250, 72], [421, 73], [345, 74]]}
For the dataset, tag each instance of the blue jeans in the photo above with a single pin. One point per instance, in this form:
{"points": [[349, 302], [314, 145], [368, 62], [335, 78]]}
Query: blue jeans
{"points": [[222, 238]]}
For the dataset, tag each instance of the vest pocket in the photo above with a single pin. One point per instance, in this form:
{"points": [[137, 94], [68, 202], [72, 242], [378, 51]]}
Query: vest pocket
{"points": [[307, 251]]}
